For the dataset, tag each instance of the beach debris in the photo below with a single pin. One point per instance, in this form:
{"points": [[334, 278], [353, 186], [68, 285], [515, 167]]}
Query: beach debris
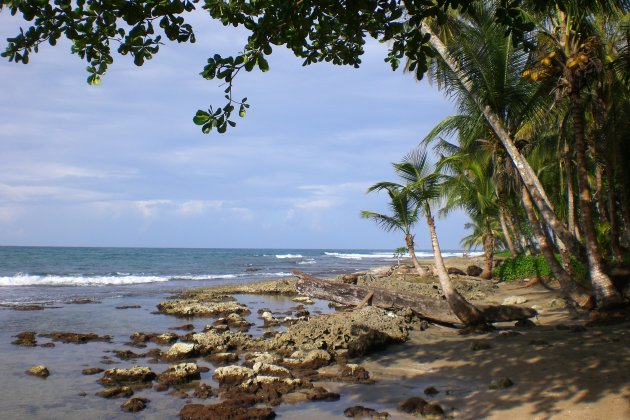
{"points": [[417, 405], [179, 374], [350, 278], [26, 339], [76, 338], [134, 405], [225, 410], [115, 392], [382, 271], [359, 411], [92, 371], [501, 383], [135, 374], [40, 371], [474, 270], [426, 307], [190, 308], [179, 351], [514, 300]]}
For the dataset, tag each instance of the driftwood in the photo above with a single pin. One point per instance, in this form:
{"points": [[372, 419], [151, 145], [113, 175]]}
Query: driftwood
{"points": [[426, 307]]}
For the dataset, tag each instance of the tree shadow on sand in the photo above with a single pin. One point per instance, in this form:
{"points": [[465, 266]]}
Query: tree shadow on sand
{"points": [[549, 365]]}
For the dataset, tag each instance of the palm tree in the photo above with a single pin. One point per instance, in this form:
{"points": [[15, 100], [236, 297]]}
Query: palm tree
{"points": [[569, 56], [470, 187], [404, 215], [455, 70], [423, 184]]}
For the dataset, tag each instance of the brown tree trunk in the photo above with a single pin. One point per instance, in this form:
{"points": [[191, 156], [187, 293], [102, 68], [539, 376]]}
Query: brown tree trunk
{"points": [[412, 253], [572, 291], [465, 311], [615, 247], [606, 294], [488, 248], [506, 232], [568, 165], [514, 227]]}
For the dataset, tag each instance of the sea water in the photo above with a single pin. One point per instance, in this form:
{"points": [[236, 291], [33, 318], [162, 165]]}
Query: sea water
{"points": [[111, 278]]}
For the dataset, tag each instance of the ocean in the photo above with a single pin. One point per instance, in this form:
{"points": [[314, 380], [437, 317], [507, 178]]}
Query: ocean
{"points": [[118, 290], [47, 275]]}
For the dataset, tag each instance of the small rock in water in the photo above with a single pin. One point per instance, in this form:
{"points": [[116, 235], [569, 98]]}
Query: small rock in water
{"points": [[430, 391], [203, 391], [116, 392], [92, 371], [558, 303], [40, 371], [355, 373], [514, 300], [417, 405], [128, 307], [360, 411], [26, 339], [501, 383], [134, 405]]}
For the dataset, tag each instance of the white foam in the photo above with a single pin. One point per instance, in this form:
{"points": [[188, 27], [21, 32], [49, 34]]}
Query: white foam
{"points": [[286, 256], [309, 261], [31, 280], [358, 256]]}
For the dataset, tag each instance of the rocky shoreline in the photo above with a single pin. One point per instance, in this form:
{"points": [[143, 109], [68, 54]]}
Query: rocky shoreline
{"points": [[302, 356]]}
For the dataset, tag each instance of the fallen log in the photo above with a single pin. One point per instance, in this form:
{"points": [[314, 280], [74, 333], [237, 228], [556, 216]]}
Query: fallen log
{"points": [[426, 307]]}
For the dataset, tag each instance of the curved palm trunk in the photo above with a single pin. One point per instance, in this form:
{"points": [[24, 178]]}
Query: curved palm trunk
{"points": [[606, 294], [506, 233], [464, 310], [412, 253], [572, 291], [488, 248], [525, 171], [570, 190]]}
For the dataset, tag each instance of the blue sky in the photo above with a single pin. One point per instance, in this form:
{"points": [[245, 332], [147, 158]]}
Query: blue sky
{"points": [[122, 164]]}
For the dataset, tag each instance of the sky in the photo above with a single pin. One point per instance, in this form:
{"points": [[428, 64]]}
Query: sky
{"points": [[122, 164]]}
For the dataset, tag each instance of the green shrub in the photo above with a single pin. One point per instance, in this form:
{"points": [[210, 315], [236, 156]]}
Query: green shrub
{"points": [[528, 266]]}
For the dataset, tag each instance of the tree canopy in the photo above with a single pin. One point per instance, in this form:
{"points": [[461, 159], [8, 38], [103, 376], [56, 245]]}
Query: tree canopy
{"points": [[314, 30]]}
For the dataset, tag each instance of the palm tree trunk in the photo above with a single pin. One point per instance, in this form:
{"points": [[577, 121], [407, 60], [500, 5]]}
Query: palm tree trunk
{"points": [[570, 189], [572, 291], [488, 248], [515, 227], [525, 171], [606, 294], [506, 233], [615, 247], [465, 311], [412, 253]]}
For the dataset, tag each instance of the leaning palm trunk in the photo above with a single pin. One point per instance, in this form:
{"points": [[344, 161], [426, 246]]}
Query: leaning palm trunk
{"points": [[525, 171], [506, 233], [488, 248], [465, 311], [571, 290], [606, 294], [412, 253]]}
